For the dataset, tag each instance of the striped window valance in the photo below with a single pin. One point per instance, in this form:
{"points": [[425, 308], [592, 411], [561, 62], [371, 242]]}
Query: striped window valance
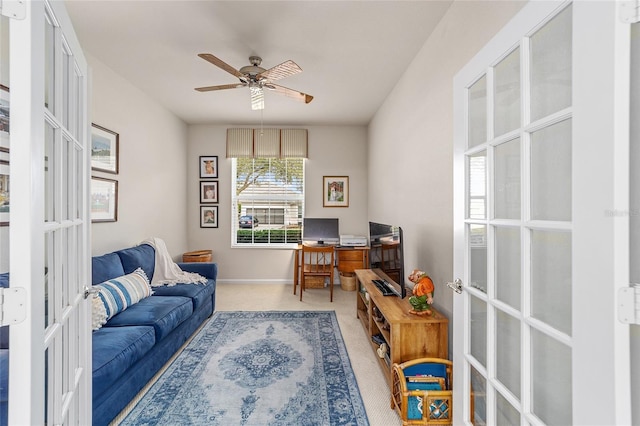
{"points": [[273, 143]]}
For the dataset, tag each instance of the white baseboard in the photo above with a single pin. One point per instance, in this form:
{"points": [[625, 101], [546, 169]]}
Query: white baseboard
{"points": [[254, 281]]}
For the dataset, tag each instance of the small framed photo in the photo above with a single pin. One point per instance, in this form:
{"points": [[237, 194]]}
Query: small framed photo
{"points": [[335, 191], [208, 191], [208, 216], [104, 200], [209, 166], [104, 149]]}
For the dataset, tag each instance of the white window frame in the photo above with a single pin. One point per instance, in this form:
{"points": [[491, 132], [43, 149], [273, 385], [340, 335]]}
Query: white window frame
{"points": [[241, 203]]}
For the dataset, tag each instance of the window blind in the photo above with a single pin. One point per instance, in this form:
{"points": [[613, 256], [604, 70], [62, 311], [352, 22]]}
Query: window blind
{"points": [[267, 143], [239, 143], [293, 143]]}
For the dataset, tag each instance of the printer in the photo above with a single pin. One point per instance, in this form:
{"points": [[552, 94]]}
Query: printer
{"points": [[353, 241]]}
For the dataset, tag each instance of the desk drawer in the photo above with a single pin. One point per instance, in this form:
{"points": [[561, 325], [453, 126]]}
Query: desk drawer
{"points": [[356, 255], [351, 266]]}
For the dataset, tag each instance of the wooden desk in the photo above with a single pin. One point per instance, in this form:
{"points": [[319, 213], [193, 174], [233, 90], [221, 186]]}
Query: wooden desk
{"points": [[348, 258]]}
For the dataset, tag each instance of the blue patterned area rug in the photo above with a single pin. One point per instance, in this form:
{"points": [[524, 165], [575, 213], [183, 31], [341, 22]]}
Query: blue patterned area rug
{"points": [[258, 368]]}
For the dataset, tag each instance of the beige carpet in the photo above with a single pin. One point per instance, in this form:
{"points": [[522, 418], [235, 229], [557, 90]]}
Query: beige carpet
{"points": [[265, 297]]}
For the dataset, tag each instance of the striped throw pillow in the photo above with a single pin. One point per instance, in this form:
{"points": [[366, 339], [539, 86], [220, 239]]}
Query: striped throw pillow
{"points": [[118, 294]]}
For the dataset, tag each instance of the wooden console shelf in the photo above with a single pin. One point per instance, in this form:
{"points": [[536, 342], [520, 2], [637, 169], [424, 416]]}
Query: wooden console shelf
{"points": [[407, 336]]}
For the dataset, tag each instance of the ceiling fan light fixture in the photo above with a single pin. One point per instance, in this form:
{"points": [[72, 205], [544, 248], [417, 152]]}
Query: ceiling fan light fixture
{"points": [[256, 78], [257, 97]]}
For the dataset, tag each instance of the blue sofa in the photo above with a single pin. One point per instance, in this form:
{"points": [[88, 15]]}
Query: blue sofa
{"points": [[134, 344]]}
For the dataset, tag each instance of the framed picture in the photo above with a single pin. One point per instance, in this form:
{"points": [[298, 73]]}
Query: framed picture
{"points": [[4, 188], [208, 191], [104, 149], [104, 200], [208, 216], [335, 191], [4, 117], [209, 166]]}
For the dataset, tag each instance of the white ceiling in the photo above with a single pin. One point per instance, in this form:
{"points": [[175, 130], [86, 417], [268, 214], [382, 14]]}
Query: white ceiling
{"points": [[352, 52]]}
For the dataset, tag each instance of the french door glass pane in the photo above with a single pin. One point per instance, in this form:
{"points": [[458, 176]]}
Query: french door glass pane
{"points": [[67, 66], [49, 278], [551, 172], [79, 192], [551, 278], [477, 186], [478, 332], [507, 180], [478, 257], [478, 112], [507, 94], [507, 265], [551, 66], [77, 106], [508, 352], [65, 172], [479, 397], [63, 262], [49, 172], [551, 379], [49, 65], [506, 414]]}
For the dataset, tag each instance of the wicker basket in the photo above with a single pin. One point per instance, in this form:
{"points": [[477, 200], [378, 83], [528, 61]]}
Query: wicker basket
{"points": [[197, 256], [314, 282], [348, 281]]}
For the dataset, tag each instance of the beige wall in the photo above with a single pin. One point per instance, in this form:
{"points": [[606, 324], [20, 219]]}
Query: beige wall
{"points": [[333, 151], [413, 132], [152, 178], [400, 167]]}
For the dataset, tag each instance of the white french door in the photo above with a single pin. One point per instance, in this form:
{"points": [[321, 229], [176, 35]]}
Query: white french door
{"points": [[536, 162], [50, 350]]}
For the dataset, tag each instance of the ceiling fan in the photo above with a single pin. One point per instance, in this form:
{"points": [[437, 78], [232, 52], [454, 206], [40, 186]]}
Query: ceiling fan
{"points": [[257, 79]]}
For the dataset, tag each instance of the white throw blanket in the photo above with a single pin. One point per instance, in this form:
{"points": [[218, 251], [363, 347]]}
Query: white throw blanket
{"points": [[167, 272]]}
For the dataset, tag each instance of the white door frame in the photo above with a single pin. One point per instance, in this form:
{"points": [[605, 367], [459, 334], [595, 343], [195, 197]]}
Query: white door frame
{"points": [[68, 396], [26, 374], [599, 343]]}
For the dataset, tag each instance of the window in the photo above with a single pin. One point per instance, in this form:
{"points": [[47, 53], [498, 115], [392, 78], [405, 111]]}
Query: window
{"points": [[271, 190]]}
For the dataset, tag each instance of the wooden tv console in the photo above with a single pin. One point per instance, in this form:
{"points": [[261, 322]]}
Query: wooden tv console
{"points": [[406, 335]]}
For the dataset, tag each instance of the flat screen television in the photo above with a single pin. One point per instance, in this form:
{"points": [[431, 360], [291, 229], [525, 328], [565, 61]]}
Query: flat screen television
{"points": [[320, 230], [387, 254]]}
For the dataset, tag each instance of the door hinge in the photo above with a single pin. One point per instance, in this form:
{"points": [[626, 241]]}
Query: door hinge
{"points": [[16, 9], [13, 304], [629, 11], [629, 304]]}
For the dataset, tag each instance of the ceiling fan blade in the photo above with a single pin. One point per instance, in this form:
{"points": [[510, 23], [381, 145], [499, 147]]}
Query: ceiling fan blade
{"points": [[283, 70], [221, 64], [257, 98], [290, 93], [220, 87]]}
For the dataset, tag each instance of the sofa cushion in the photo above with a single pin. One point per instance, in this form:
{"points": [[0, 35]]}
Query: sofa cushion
{"points": [[105, 267], [163, 313], [198, 293], [142, 256], [117, 294], [117, 349]]}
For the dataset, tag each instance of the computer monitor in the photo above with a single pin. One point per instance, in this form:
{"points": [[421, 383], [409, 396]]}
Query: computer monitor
{"points": [[320, 230]]}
